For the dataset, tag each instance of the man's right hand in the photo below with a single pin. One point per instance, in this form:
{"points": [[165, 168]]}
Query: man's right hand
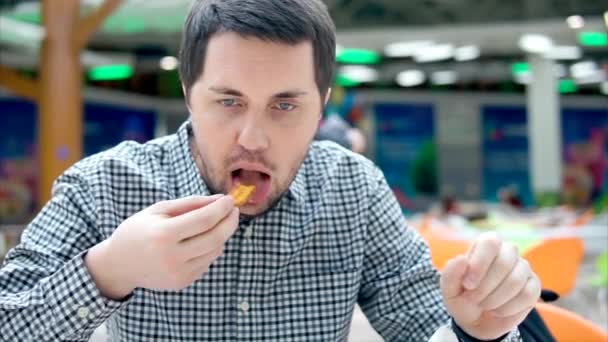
{"points": [[166, 246]]}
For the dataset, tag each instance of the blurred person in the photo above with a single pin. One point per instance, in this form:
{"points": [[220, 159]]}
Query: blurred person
{"points": [[143, 236], [336, 129], [585, 169], [597, 161], [509, 197]]}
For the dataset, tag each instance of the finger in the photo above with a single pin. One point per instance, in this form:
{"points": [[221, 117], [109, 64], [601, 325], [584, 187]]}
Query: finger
{"points": [[200, 220], [525, 299], [213, 238], [509, 287], [499, 270], [180, 206], [481, 256], [452, 276]]}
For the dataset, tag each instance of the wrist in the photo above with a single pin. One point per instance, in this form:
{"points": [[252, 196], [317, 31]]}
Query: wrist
{"points": [[466, 336], [106, 273]]}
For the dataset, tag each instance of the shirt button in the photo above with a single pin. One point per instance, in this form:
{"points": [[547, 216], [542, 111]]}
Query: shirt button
{"points": [[244, 306], [248, 232], [83, 312]]}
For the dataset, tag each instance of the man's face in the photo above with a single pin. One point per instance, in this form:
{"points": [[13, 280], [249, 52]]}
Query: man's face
{"points": [[255, 110]]}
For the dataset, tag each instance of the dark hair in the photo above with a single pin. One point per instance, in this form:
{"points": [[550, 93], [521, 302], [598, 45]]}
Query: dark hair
{"points": [[282, 21]]}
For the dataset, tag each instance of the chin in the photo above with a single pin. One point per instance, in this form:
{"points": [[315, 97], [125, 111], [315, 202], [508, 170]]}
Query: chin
{"points": [[250, 210]]}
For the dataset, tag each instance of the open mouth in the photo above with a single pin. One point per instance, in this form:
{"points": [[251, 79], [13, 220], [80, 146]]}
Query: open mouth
{"points": [[259, 179]]}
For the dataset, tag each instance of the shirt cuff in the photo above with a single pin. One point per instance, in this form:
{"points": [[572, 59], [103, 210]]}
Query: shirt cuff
{"points": [[77, 305], [462, 336]]}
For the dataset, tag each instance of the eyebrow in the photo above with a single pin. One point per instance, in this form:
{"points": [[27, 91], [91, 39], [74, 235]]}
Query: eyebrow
{"points": [[290, 94]]}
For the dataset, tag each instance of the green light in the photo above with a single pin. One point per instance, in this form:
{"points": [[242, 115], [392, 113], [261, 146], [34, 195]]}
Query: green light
{"points": [[28, 17], [593, 38], [110, 72], [357, 56], [567, 86], [520, 68], [346, 82]]}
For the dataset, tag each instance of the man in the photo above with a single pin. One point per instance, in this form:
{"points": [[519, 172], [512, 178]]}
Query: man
{"points": [[141, 236]]}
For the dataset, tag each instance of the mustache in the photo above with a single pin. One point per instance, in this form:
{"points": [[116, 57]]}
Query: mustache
{"points": [[250, 157]]}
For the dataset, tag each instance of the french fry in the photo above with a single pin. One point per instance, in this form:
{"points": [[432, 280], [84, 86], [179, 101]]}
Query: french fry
{"points": [[241, 194]]}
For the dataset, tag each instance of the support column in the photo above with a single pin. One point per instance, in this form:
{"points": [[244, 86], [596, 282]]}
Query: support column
{"points": [[544, 128], [60, 106]]}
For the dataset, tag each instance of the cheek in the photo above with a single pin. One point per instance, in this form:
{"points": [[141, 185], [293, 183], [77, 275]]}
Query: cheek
{"points": [[290, 146], [214, 138]]}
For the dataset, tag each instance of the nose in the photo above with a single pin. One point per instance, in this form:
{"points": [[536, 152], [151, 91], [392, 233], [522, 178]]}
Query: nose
{"points": [[253, 136]]}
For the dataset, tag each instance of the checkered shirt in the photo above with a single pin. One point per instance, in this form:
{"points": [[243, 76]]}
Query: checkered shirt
{"points": [[336, 238]]}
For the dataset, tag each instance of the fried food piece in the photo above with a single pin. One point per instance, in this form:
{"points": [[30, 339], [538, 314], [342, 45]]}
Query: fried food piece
{"points": [[241, 194]]}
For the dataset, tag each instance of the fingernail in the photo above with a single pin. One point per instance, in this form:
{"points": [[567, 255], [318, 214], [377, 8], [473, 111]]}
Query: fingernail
{"points": [[470, 282]]}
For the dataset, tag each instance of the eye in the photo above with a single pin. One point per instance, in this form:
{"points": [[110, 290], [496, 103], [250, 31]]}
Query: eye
{"points": [[284, 106], [228, 102]]}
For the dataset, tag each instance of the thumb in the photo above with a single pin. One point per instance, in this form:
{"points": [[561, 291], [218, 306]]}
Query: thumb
{"points": [[180, 206], [452, 277]]}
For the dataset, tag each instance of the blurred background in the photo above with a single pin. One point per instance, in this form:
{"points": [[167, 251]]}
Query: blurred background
{"points": [[483, 115]]}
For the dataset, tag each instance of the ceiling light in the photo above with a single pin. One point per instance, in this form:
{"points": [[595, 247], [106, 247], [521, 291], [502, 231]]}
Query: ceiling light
{"points": [[359, 73], [110, 72], [169, 63], [604, 88], [405, 49], [467, 53], [567, 86], [564, 52], [523, 78], [593, 39], [444, 77], [575, 22], [358, 56], [410, 78], [583, 69], [535, 43], [434, 53]]}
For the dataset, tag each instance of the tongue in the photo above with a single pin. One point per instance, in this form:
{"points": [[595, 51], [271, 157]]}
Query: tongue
{"points": [[257, 179], [248, 177]]}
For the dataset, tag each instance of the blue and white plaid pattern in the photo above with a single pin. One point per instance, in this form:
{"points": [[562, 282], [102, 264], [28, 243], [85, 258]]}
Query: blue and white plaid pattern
{"points": [[335, 239]]}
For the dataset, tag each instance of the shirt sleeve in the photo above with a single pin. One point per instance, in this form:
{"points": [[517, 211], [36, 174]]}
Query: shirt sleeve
{"points": [[400, 293], [46, 292]]}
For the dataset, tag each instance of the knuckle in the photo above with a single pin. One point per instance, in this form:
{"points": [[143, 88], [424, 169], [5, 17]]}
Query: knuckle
{"points": [[504, 264], [517, 279], [511, 248], [493, 241]]}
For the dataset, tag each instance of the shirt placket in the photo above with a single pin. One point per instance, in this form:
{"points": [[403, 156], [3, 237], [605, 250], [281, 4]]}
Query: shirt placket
{"points": [[246, 305]]}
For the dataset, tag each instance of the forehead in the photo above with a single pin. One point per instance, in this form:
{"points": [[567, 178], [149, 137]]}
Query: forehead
{"points": [[248, 61]]}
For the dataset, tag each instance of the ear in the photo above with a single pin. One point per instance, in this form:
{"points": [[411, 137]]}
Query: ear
{"points": [[327, 97], [186, 98]]}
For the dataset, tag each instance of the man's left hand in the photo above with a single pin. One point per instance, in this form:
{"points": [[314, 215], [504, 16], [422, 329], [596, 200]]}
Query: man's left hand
{"points": [[491, 290]]}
